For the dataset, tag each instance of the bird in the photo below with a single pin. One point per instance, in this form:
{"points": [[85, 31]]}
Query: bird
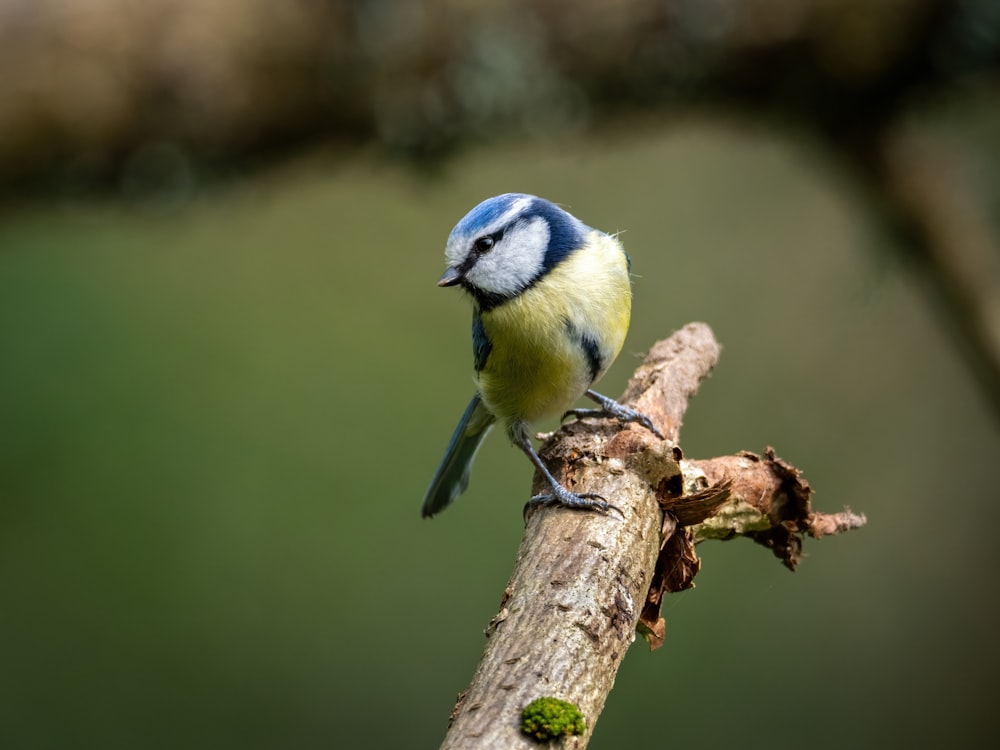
{"points": [[551, 299]]}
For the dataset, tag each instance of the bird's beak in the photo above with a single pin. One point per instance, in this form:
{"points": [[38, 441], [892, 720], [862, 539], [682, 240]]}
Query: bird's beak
{"points": [[450, 277]]}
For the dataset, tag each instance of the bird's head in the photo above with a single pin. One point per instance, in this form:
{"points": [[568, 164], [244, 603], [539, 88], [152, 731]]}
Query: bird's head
{"points": [[506, 243]]}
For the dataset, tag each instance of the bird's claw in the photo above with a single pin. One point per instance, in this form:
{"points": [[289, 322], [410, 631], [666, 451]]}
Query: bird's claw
{"points": [[562, 498], [646, 422], [614, 410]]}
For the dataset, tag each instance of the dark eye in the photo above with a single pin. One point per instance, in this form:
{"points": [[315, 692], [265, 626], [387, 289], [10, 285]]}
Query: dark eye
{"points": [[484, 244]]}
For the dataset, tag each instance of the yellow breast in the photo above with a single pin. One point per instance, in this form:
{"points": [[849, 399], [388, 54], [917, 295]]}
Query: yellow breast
{"points": [[537, 366]]}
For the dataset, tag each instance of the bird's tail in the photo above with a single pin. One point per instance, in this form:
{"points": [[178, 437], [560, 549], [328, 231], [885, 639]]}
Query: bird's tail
{"points": [[452, 476]]}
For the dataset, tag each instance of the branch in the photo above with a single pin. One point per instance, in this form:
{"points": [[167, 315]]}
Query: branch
{"points": [[113, 92], [944, 230], [582, 581], [769, 502]]}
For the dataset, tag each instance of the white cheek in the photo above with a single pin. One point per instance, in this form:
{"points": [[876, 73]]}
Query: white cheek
{"points": [[515, 261]]}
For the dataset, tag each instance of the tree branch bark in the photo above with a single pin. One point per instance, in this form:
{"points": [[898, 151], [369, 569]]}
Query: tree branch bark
{"points": [[944, 231], [583, 582]]}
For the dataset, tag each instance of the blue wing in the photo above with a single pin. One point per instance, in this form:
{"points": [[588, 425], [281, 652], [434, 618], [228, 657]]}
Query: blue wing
{"points": [[452, 476]]}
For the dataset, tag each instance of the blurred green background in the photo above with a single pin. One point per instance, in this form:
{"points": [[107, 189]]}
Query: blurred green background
{"points": [[218, 418]]}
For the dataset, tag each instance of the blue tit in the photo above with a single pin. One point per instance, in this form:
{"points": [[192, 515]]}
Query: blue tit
{"points": [[551, 304]]}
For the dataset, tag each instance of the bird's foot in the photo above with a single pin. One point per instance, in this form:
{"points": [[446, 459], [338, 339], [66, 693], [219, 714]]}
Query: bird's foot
{"points": [[563, 498], [614, 410]]}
